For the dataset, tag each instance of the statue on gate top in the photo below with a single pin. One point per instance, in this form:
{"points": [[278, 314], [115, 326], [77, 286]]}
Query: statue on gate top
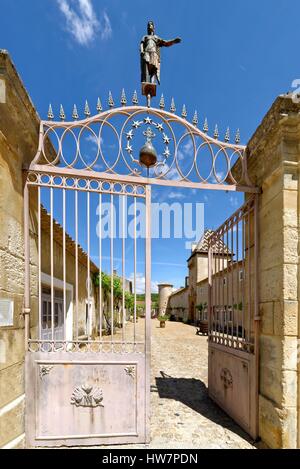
{"points": [[150, 59]]}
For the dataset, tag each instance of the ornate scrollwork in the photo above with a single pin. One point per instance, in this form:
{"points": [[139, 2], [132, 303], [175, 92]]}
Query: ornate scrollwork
{"points": [[109, 143], [130, 371], [45, 370], [87, 396], [226, 378]]}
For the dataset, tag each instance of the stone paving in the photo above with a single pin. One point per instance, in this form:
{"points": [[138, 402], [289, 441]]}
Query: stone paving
{"points": [[182, 415]]}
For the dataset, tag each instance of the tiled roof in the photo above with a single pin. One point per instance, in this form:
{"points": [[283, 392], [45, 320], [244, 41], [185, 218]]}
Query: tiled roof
{"points": [[70, 243], [202, 246]]}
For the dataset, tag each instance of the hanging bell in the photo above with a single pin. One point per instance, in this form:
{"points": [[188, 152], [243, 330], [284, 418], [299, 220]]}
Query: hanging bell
{"points": [[148, 155]]}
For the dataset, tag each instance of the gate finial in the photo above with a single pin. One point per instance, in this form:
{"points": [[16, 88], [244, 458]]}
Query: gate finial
{"points": [[123, 98], [205, 125], [99, 106], [110, 100], [87, 111], [162, 102], [238, 136], [195, 119], [184, 113], [227, 135], [75, 113], [135, 100], [50, 113], [173, 108], [216, 132], [62, 114]]}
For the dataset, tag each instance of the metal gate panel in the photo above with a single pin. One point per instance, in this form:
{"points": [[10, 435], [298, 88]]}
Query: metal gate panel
{"points": [[85, 399], [232, 384], [233, 317], [87, 388]]}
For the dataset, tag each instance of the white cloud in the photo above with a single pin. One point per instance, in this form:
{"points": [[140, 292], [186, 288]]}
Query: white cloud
{"points": [[140, 283], [106, 30], [220, 176], [233, 201], [176, 195], [94, 140], [186, 151], [82, 21]]}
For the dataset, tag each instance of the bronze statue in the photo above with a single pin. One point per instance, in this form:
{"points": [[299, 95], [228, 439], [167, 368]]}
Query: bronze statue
{"points": [[150, 54]]}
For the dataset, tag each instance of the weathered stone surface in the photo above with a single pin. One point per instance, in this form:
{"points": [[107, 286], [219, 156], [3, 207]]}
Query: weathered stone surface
{"points": [[286, 318], [12, 421], [267, 316], [290, 272], [271, 284], [12, 383], [276, 426]]}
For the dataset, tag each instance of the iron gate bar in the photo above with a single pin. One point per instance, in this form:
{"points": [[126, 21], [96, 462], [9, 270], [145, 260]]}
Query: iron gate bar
{"points": [[220, 315], [37, 168]]}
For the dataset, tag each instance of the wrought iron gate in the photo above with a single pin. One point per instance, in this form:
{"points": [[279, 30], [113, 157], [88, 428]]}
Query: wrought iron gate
{"points": [[84, 387], [233, 317]]}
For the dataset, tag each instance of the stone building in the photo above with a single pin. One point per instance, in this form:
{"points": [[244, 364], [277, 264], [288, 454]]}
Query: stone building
{"points": [[190, 303]]}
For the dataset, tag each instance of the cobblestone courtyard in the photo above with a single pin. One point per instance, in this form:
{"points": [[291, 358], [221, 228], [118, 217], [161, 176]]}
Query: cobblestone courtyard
{"points": [[182, 415]]}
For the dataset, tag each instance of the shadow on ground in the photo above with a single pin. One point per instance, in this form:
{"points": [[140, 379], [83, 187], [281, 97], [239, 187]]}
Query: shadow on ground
{"points": [[194, 394]]}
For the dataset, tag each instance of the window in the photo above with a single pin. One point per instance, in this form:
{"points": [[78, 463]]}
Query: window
{"points": [[58, 314], [241, 275], [224, 281]]}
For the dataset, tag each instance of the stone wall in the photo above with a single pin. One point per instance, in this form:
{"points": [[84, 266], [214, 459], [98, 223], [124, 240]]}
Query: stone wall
{"points": [[274, 155], [19, 127], [178, 304]]}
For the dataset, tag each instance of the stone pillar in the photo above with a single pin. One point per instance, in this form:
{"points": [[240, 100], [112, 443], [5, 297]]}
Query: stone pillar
{"points": [[274, 156], [164, 292]]}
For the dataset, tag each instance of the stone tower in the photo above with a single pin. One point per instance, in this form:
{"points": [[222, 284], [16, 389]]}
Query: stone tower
{"points": [[164, 292]]}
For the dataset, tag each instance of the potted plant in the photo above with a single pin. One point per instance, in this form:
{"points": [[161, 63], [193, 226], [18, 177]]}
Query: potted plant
{"points": [[203, 322], [162, 320]]}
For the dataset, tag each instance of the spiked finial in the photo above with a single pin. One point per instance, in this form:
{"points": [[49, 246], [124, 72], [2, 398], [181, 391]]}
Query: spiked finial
{"points": [[205, 125], [50, 113], [135, 100], [173, 108], [216, 132], [75, 112], [110, 100], [162, 102], [99, 105], [62, 114], [87, 111], [238, 136], [195, 119], [123, 98], [227, 135], [183, 112]]}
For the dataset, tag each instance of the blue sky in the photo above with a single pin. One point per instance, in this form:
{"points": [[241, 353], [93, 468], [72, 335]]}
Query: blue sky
{"points": [[234, 59]]}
